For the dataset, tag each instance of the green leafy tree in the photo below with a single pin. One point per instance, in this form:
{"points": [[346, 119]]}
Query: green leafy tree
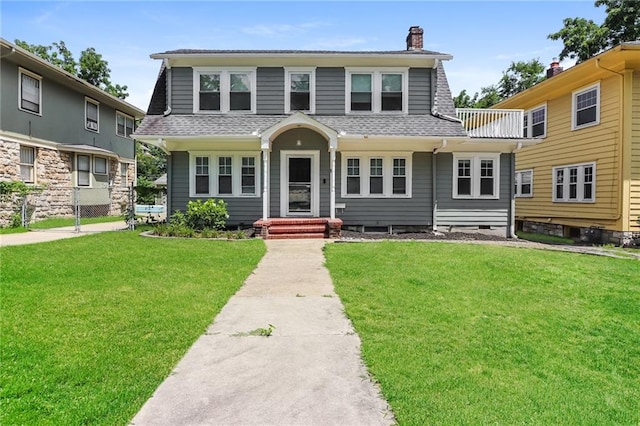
{"points": [[520, 76], [91, 66], [151, 161], [584, 38], [464, 100]]}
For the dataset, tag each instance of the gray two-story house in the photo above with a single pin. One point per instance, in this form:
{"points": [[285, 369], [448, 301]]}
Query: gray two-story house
{"points": [[64, 135], [368, 140]]}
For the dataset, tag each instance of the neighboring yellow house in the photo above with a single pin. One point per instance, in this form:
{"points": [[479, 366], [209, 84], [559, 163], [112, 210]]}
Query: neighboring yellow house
{"points": [[583, 179]]}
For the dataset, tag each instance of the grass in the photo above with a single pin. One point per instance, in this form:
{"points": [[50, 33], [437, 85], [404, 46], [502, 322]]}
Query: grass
{"points": [[58, 222], [19, 230], [92, 325], [474, 334], [543, 238]]}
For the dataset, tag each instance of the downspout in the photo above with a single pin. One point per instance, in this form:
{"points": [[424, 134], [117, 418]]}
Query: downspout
{"points": [[434, 186], [169, 177], [622, 170], [169, 87], [11, 52], [511, 229]]}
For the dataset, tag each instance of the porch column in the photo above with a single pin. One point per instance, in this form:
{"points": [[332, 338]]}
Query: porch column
{"points": [[265, 145], [332, 211]]}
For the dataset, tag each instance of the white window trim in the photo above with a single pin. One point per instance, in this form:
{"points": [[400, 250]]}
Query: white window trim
{"points": [[387, 173], [106, 163], [225, 82], [126, 116], [236, 179], [312, 88], [574, 96], [33, 166], [580, 193], [32, 75], [529, 114], [475, 175], [97, 104], [518, 180], [376, 90], [77, 171]]}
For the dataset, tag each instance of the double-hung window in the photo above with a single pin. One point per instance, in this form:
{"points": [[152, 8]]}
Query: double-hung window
{"points": [[586, 107], [124, 167], [100, 165], [124, 125], [524, 183], [535, 122], [574, 183], [379, 176], [83, 169], [221, 174], [299, 90], [92, 112], [378, 91], [224, 90], [30, 92], [27, 163], [476, 175]]}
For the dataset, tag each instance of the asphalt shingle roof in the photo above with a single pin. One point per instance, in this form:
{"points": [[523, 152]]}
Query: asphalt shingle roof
{"points": [[174, 125], [297, 52]]}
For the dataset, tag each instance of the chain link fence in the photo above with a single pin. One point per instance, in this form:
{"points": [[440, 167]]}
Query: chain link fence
{"points": [[71, 204]]}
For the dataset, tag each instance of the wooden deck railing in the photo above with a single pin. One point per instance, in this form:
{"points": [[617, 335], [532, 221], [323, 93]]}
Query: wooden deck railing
{"points": [[492, 123]]}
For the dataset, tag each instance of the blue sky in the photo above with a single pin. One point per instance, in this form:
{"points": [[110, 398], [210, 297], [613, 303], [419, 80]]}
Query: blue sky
{"points": [[483, 37]]}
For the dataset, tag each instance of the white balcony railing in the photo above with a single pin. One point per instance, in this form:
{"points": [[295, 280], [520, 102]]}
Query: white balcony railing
{"points": [[492, 123]]}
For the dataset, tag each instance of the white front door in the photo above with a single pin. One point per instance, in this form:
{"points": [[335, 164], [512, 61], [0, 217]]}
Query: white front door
{"points": [[300, 179]]}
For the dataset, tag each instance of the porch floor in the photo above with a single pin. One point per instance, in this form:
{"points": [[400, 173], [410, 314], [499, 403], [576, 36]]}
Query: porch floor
{"points": [[290, 227]]}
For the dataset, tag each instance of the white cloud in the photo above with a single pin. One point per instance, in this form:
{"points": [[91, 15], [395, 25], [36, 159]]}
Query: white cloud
{"points": [[281, 30]]}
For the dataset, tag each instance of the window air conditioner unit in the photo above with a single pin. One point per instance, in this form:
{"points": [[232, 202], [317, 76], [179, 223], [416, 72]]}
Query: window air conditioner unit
{"points": [[92, 125]]}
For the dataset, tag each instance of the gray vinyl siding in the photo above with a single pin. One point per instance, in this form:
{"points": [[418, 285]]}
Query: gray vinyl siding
{"points": [[414, 211], [420, 90], [330, 88], [270, 90], [182, 90], [63, 115], [243, 211], [465, 212], [311, 141]]}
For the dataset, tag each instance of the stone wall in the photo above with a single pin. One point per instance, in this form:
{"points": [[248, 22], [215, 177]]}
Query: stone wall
{"points": [[587, 235], [54, 173]]}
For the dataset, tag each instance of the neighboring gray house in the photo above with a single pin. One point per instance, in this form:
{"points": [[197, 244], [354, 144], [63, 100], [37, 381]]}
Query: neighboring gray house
{"points": [[366, 140], [59, 132]]}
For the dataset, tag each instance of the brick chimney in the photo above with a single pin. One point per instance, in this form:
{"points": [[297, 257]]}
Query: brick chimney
{"points": [[554, 68], [414, 39]]}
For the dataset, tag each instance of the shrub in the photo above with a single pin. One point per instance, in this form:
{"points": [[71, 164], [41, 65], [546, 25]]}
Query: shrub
{"points": [[210, 214]]}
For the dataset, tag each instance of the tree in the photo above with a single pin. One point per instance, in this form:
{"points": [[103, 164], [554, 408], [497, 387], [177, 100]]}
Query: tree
{"points": [[584, 38], [91, 67], [152, 161], [520, 76]]}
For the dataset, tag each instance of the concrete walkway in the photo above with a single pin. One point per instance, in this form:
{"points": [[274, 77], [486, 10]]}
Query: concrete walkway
{"points": [[44, 235], [308, 372]]}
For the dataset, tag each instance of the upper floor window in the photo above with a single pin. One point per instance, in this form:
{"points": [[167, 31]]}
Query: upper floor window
{"points": [[380, 176], [92, 109], [124, 125], [27, 163], [535, 122], [476, 175], [218, 90], [30, 92], [524, 183], [585, 107], [299, 90], [232, 175], [574, 183], [376, 91]]}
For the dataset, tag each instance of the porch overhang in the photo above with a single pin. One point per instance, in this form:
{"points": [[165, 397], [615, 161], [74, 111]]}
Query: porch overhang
{"points": [[296, 121]]}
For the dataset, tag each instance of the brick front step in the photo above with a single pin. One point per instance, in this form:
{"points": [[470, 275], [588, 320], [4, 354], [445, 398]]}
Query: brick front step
{"points": [[295, 236], [297, 229], [313, 227]]}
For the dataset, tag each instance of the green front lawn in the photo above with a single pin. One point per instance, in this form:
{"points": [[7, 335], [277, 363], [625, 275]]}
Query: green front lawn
{"points": [[92, 325], [59, 222], [474, 334]]}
